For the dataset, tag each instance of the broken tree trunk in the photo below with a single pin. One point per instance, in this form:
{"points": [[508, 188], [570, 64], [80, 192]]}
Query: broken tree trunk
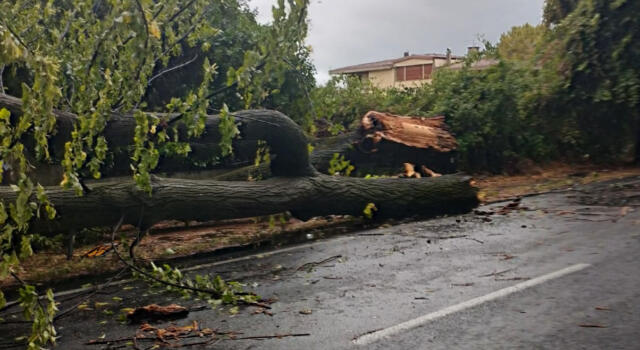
{"points": [[204, 200], [384, 142], [297, 187]]}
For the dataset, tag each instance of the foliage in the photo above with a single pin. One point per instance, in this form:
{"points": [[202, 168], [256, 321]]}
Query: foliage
{"points": [[219, 291], [569, 90], [369, 210], [338, 165], [603, 64], [42, 330], [521, 43], [97, 58], [556, 10], [487, 110], [338, 102]]}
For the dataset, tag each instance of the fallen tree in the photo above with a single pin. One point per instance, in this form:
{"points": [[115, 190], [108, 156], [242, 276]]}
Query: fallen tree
{"points": [[296, 187], [283, 136], [383, 142], [204, 200]]}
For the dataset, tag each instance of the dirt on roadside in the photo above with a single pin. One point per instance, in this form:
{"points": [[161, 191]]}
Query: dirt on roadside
{"points": [[551, 177]]}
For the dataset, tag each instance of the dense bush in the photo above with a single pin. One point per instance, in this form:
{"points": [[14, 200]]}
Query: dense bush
{"points": [[569, 90]]}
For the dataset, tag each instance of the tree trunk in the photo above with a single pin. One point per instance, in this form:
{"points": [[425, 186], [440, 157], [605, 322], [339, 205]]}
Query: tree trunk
{"points": [[387, 158], [296, 187], [285, 138], [204, 200], [637, 148]]}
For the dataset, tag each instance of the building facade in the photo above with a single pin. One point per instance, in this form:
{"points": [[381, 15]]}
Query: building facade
{"points": [[406, 71]]}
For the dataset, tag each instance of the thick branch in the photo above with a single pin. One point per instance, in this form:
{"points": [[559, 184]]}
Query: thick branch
{"points": [[285, 138], [204, 200]]}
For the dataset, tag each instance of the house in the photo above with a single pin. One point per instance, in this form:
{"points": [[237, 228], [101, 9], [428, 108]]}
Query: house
{"points": [[410, 70]]}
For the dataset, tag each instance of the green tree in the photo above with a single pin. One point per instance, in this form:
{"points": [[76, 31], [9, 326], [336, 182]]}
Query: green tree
{"points": [[94, 58], [556, 10], [521, 43], [601, 63]]}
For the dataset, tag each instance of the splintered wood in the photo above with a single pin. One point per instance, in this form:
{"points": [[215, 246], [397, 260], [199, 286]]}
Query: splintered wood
{"points": [[416, 132]]}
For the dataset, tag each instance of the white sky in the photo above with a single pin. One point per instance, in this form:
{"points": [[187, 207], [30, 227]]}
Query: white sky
{"points": [[347, 32]]}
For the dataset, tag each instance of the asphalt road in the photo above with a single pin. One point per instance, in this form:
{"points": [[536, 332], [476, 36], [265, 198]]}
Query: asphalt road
{"points": [[560, 272]]}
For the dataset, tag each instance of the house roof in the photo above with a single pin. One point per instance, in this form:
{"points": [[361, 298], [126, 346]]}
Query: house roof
{"points": [[387, 64], [477, 65]]}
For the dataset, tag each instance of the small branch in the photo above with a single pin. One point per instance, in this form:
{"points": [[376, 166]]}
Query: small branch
{"points": [[24, 284], [496, 273], [15, 35], [155, 15], [86, 299], [165, 71], [175, 15], [311, 265], [443, 237], [235, 83], [474, 239], [67, 26], [1, 80], [94, 55], [146, 44], [213, 293], [146, 23], [276, 336], [182, 38]]}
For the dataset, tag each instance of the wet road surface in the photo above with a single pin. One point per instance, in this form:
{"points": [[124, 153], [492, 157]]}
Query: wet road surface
{"points": [[562, 271]]}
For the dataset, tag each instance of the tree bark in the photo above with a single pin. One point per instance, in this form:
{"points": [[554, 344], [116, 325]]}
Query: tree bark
{"points": [[387, 158], [296, 186], [285, 138], [204, 200]]}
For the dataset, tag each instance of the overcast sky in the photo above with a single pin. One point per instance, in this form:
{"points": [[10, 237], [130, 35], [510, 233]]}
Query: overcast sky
{"points": [[347, 32]]}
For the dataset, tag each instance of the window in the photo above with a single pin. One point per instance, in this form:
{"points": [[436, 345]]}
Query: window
{"points": [[428, 68], [400, 74], [417, 72], [414, 72]]}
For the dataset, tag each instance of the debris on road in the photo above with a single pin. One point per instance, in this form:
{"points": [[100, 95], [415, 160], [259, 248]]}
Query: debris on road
{"points": [[495, 274], [262, 311], [513, 279], [588, 325], [468, 284], [174, 336], [99, 251], [308, 267], [157, 312], [504, 210]]}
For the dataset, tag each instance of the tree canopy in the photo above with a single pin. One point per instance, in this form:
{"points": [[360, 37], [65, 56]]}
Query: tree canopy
{"points": [[100, 58]]}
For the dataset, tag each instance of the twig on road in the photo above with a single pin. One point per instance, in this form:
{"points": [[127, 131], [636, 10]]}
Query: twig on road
{"points": [[496, 273], [311, 265], [513, 279], [276, 336], [474, 239]]}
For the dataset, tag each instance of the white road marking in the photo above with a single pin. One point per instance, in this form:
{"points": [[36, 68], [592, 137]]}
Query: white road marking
{"points": [[419, 321]]}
